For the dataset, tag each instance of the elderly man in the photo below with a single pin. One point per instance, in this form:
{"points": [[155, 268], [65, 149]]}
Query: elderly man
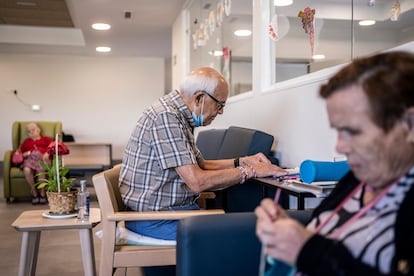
{"points": [[163, 169]]}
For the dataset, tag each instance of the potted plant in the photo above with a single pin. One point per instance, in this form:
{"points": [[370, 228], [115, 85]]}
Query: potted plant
{"points": [[60, 194]]}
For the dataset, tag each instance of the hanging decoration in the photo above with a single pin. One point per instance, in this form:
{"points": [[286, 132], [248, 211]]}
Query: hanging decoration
{"points": [[226, 63], [227, 7], [204, 28], [308, 16], [219, 13], [395, 11], [211, 22], [273, 29], [278, 27], [200, 36], [371, 3]]}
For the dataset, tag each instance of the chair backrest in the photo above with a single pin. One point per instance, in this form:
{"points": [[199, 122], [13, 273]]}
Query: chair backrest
{"points": [[240, 141], [224, 244], [19, 130], [218, 245], [107, 191], [209, 142]]}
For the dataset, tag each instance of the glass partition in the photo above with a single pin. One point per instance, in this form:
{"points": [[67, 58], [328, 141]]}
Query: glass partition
{"points": [[214, 43], [306, 36], [312, 35]]}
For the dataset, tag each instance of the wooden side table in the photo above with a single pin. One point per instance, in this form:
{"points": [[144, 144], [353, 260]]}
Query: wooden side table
{"points": [[31, 223]]}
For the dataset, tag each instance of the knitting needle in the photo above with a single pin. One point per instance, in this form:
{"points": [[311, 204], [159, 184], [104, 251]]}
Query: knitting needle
{"points": [[262, 265]]}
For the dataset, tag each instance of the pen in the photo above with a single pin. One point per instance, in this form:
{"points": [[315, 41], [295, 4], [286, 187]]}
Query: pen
{"points": [[262, 265], [287, 176]]}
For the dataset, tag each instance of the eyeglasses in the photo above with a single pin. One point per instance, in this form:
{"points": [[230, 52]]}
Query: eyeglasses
{"points": [[220, 105]]}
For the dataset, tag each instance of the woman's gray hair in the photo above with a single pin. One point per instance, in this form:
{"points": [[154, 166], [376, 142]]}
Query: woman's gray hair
{"points": [[196, 82]]}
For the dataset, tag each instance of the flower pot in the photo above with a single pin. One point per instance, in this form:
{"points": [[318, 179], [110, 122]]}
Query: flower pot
{"points": [[63, 202]]}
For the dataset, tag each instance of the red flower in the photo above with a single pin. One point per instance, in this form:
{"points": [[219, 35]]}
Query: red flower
{"points": [[62, 148]]}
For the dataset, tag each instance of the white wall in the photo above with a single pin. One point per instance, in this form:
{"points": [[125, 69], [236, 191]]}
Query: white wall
{"points": [[293, 113], [98, 99]]}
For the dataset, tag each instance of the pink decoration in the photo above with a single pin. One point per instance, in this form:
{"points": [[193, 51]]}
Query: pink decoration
{"points": [[307, 16]]}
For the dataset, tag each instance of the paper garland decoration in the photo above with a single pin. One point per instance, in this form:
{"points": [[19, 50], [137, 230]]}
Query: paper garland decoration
{"points": [[219, 13], [208, 26], [395, 11], [278, 27], [227, 7], [211, 22], [308, 16]]}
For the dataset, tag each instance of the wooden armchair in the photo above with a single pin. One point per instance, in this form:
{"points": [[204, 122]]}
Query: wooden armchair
{"points": [[115, 256]]}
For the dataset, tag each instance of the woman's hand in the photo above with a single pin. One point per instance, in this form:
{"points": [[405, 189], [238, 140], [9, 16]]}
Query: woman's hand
{"points": [[26, 153], [46, 158], [282, 236]]}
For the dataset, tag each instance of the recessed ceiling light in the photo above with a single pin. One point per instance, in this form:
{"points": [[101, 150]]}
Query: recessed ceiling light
{"points": [[366, 22], [318, 56], [101, 26], [103, 49], [242, 33], [282, 3], [215, 53]]}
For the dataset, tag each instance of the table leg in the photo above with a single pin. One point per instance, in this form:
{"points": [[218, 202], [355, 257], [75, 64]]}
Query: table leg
{"points": [[28, 253], [301, 202], [88, 253]]}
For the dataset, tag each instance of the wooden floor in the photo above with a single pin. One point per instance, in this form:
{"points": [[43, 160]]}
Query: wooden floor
{"points": [[59, 251]]}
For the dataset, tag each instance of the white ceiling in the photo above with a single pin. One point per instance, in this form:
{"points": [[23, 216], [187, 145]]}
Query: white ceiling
{"points": [[146, 33]]}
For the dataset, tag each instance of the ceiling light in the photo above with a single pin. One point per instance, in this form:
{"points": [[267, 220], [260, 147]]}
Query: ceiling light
{"points": [[242, 33], [366, 22], [215, 53], [318, 56], [101, 26], [103, 49], [282, 3]]}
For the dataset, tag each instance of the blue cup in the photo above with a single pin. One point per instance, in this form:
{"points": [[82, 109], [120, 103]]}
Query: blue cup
{"points": [[311, 171]]}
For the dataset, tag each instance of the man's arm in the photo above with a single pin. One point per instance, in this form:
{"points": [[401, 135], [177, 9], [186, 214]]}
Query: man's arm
{"points": [[199, 179]]}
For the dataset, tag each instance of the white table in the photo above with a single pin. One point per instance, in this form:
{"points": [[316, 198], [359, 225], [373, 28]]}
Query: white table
{"points": [[31, 223]]}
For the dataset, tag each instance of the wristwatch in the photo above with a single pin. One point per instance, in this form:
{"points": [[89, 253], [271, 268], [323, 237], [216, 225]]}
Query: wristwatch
{"points": [[237, 162]]}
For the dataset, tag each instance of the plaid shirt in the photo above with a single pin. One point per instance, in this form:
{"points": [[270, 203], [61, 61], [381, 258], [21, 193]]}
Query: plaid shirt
{"points": [[162, 140]]}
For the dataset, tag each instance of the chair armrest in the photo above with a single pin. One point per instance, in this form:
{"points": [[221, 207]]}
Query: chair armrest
{"points": [[161, 215]]}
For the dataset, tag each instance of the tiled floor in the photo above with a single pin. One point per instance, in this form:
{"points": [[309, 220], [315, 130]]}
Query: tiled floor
{"points": [[59, 251]]}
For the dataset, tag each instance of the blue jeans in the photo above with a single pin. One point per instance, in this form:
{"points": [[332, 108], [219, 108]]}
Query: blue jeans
{"points": [[159, 229]]}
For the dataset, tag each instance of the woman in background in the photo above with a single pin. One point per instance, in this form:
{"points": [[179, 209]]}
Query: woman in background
{"points": [[34, 150]]}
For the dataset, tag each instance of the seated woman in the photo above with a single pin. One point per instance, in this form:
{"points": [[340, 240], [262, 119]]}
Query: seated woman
{"points": [[366, 225], [34, 149]]}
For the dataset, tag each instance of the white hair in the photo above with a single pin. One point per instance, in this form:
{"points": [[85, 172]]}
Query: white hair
{"points": [[194, 83]]}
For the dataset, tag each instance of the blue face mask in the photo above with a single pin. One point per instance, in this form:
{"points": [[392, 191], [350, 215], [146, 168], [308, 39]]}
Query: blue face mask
{"points": [[198, 120]]}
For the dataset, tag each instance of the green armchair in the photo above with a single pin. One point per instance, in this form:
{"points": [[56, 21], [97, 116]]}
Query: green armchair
{"points": [[15, 185]]}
